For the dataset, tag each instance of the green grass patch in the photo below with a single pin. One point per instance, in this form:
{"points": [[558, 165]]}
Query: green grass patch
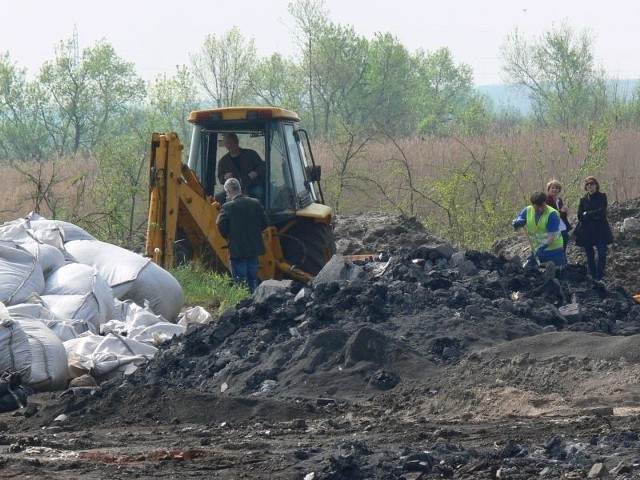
{"points": [[211, 290]]}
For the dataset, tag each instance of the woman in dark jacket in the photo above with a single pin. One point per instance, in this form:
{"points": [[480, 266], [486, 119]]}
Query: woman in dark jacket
{"points": [[593, 229]]}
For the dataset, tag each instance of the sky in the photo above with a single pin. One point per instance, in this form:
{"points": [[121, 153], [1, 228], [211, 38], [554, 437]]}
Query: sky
{"points": [[159, 35]]}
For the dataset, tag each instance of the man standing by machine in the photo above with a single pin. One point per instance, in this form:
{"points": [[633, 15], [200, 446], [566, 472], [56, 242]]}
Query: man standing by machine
{"points": [[241, 222], [243, 164]]}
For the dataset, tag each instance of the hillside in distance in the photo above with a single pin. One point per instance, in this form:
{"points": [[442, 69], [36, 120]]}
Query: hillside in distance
{"points": [[506, 97]]}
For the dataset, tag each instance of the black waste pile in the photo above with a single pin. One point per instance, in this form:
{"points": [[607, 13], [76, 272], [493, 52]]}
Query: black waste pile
{"points": [[431, 304], [386, 374]]}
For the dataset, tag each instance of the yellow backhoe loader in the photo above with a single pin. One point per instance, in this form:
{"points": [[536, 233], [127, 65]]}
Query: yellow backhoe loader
{"points": [[184, 200]]}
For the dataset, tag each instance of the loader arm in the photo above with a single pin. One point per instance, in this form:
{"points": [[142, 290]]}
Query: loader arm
{"points": [[179, 209], [183, 217]]}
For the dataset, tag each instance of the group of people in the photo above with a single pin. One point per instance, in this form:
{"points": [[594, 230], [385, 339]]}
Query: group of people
{"points": [[547, 225], [242, 216]]}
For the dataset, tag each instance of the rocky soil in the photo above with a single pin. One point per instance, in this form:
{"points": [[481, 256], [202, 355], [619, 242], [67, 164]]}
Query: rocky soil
{"points": [[430, 363]]}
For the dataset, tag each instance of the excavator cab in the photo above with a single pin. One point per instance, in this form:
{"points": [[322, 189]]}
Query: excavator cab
{"points": [[291, 182], [184, 204]]}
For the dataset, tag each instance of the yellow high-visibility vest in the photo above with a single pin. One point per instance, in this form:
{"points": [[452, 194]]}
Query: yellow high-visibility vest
{"points": [[538, 231]]}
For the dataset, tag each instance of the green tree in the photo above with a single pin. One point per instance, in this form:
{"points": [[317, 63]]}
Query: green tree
{"points": [[310, 21], [389, 87], [278, 82], [120, 189], [22, 136], [446, 92], [82, 91], [559, 71], [474, 196], [224, 67], [339, 71], [171, 100]]}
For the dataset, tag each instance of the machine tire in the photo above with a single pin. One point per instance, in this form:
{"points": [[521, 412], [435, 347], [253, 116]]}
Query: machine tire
{"points": [[309, 246], [182, 250]]}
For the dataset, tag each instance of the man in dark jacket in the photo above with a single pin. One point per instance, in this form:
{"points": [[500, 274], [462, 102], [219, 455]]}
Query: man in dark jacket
{"points": [[243, 164], [241, 222]]}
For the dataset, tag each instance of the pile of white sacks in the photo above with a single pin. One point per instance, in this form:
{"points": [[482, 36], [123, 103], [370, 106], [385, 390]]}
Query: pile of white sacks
{"points": [[73, 305]]}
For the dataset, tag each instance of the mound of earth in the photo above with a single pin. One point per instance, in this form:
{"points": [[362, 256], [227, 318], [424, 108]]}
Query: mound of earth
{"points": [[431, 363]]}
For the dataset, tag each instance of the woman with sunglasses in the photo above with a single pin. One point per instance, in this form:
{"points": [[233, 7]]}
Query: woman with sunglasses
{"points": [[593, 231]]}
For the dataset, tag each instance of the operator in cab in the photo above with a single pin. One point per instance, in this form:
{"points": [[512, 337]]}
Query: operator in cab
{"points": [[243, 164]]}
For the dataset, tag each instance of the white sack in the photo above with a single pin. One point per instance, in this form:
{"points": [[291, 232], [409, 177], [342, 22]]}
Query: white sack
{"points": [[119, 266], [49, 368], [33, 307], [69, 231], [15, 352], [20, 274], [106, 356], [68, 329], [64, 329], [49, 257], [77, 307], [131, 276], [80, 279], [158, 287]]}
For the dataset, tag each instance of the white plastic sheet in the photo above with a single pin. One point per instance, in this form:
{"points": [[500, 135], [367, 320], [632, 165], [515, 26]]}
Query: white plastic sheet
{"points": [[144, 326], [104, 356], [196, 315]]}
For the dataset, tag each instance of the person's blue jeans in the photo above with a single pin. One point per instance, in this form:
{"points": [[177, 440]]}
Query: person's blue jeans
{"points": [[245, 271], [596, 269], [558, 257], [257, 191]]}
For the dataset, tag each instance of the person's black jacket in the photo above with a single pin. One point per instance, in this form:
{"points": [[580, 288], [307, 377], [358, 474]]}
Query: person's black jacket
{"points": [[241, 222], [593, 227], [558, 206]]}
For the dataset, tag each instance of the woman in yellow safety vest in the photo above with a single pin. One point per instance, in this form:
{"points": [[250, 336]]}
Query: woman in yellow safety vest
{"points": [[543, 227]]}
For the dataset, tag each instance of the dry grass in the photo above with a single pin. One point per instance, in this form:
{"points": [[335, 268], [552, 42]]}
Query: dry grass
{"points": [[532, 158], [54, 189], [387, 177]]}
